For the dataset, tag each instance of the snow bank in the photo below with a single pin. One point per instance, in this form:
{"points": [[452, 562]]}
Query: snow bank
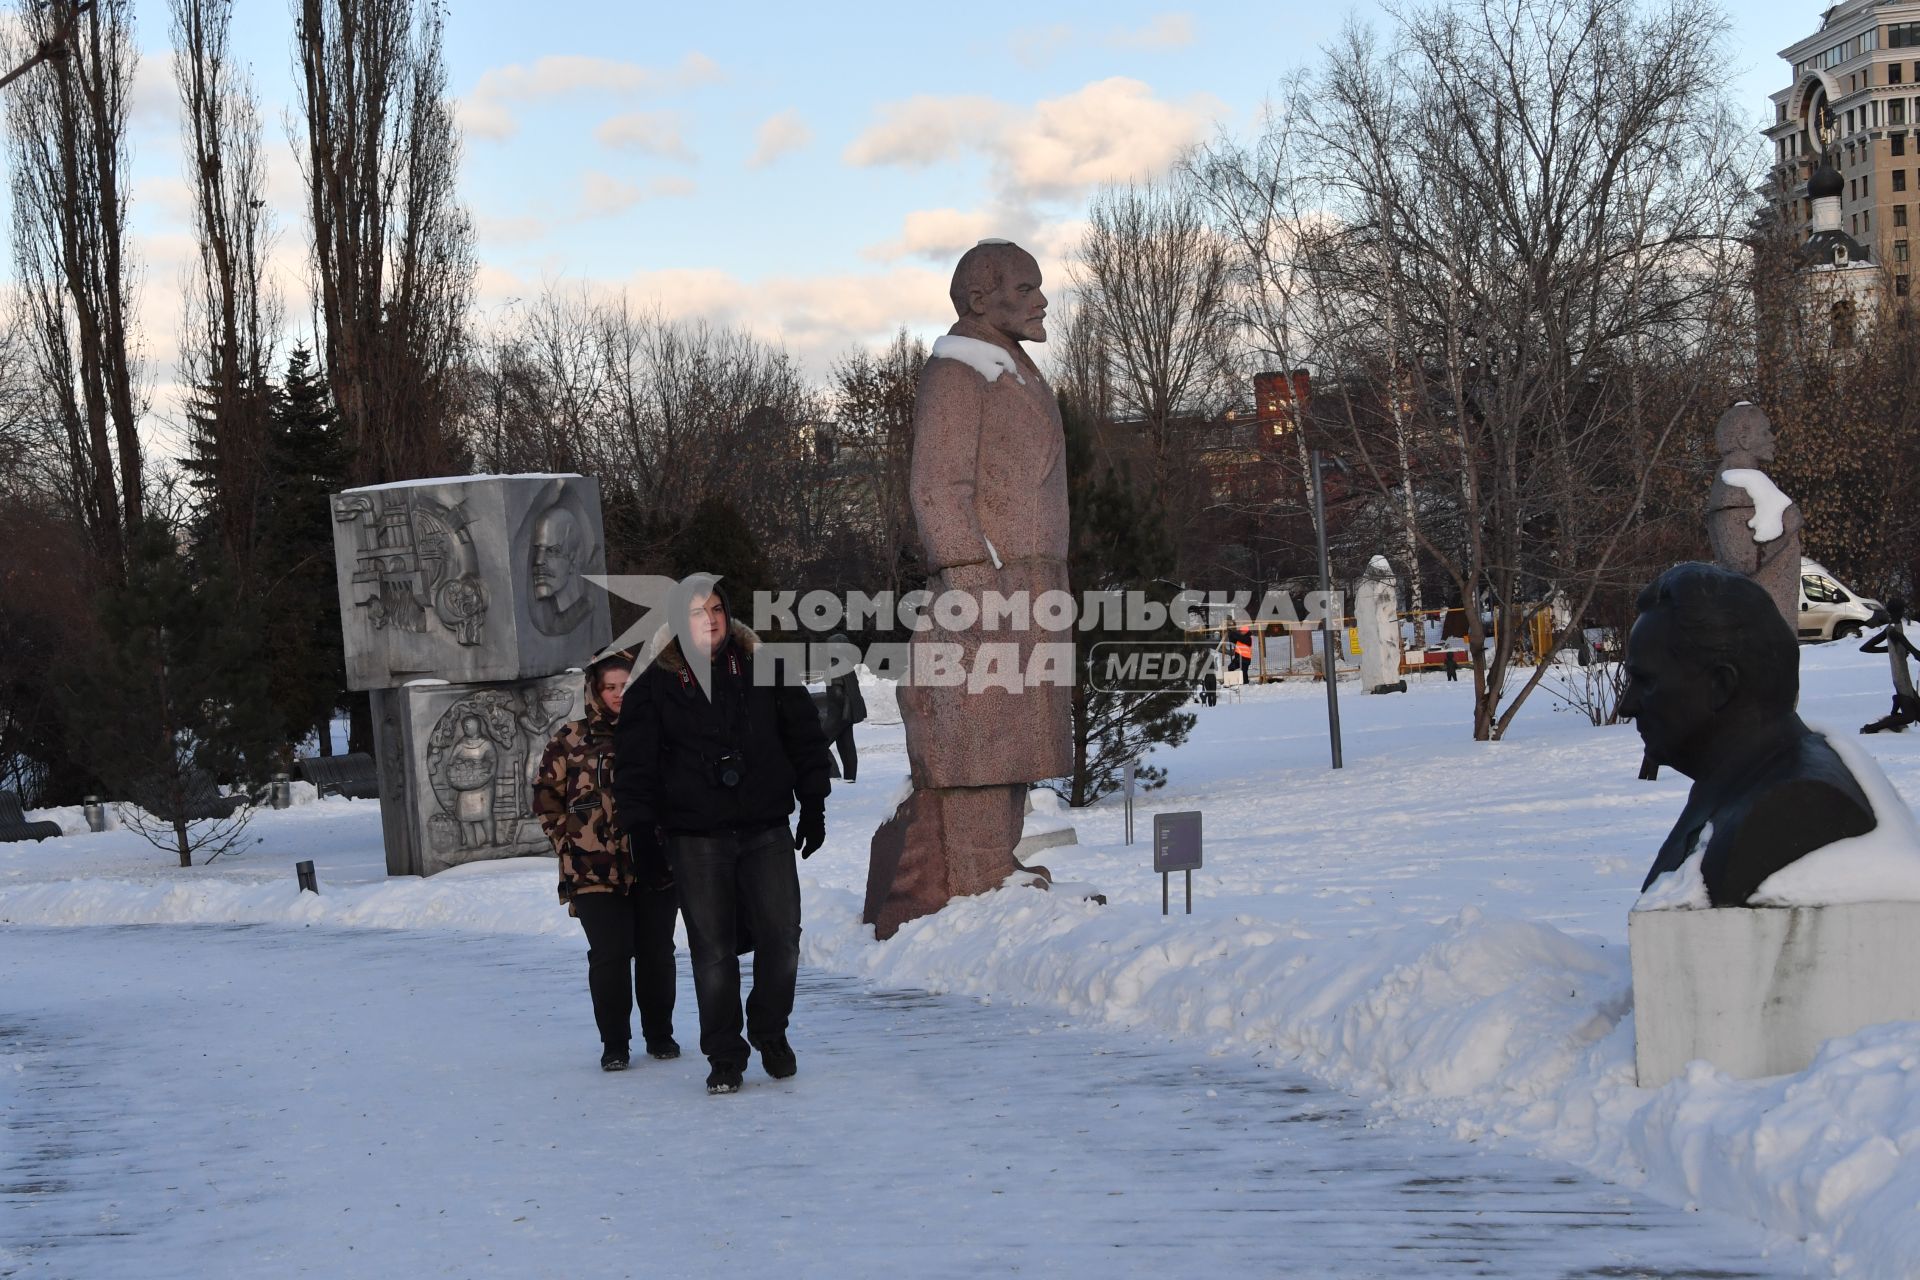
{"points": [[513, 895], [1494, 1028]]}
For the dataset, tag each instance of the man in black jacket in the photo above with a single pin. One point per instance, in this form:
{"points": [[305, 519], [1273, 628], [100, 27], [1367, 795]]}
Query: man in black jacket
{"points": [[712, 760]]}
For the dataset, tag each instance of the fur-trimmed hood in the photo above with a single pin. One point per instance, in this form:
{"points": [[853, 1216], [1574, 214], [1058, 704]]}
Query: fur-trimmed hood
{"points": [[664, 649]]}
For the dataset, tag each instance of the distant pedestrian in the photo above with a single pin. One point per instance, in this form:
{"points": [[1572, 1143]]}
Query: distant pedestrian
{"points": [[1453, 666], [618, 888], [846, 707]]}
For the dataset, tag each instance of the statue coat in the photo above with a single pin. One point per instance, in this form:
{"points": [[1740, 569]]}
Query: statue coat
{"points": [[989, 471]]}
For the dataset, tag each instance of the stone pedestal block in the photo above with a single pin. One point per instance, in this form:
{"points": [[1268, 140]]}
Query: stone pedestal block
{"points": [[457, 764], [1755, 990], [472, 579]]}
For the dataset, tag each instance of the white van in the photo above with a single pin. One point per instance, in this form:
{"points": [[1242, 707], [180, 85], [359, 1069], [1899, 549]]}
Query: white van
{"points": [[1828, 611]]}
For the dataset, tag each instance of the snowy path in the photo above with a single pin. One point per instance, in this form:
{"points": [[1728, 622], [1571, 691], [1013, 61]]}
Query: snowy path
{"points": [[264, 1101]]}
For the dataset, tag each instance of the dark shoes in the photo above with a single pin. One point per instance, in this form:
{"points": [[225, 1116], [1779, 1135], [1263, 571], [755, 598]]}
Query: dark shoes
{"points": [[614, 1059], [776, 1055], [663, 1049], [724, 1078]]}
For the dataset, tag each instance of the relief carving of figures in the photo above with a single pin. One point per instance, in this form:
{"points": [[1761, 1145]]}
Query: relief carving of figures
{"points": [[473, 764], [421, 558]]}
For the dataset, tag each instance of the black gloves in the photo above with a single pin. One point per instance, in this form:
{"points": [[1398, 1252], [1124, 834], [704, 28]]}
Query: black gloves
{"points": [[811, 831]]}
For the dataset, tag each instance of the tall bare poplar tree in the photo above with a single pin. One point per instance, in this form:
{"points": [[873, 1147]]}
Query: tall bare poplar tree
{"points": [[1536, 287], [231, 313], [392, 248], [67, 152], [1153, 281]]}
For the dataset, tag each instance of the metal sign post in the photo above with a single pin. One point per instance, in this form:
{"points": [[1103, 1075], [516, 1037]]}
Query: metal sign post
{"points": [[1127, 772], [1176, 847]]}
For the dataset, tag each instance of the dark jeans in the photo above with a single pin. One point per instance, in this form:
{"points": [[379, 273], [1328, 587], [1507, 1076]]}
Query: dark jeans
{"points": [[726, 879], [629, 956], [849, 755]]}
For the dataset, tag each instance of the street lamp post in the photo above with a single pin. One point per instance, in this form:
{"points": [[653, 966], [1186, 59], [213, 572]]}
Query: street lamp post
{"points": [[1329, 669]]}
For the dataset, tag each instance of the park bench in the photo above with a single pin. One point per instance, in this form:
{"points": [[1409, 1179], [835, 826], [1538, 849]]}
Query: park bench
{"points": [[352, 775], [14, 824]]}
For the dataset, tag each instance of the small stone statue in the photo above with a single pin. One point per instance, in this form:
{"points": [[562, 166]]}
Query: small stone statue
{"points": [[1713, 679], [1753, 527], [470, 772]]}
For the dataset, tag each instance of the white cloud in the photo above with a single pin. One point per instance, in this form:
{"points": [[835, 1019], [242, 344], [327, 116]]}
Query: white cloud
{"points": [[1163, 31], [1112, 130], [603, 195], [925, 130], [654, 133], [816, 319], [1038, 46], [943, 234], [487, 112], [778, 135]]}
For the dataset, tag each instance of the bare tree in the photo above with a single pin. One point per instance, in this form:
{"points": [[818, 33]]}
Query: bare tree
{"points": [[1153, 280], [1535, 285], [392, 247], [231, 312], [67, 148], [873, 397]]}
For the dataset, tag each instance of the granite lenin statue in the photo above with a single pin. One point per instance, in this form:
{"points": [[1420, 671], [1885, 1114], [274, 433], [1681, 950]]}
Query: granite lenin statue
{"points": [[1713, 681], [1753, 527], [989, 493]]}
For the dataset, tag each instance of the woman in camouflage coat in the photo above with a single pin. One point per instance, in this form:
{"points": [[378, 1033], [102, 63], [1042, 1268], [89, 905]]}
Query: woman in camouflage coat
{"points": [[619, 889]]}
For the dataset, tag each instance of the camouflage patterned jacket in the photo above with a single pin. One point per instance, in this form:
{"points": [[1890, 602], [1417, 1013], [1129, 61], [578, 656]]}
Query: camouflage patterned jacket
{"points": [[573, 798]]}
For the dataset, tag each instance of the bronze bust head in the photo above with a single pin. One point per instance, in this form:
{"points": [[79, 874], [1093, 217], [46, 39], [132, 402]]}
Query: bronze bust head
{"points": [[1713, 680]]}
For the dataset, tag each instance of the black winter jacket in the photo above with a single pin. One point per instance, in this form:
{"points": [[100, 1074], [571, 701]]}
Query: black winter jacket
{"points": [[670, 741]]}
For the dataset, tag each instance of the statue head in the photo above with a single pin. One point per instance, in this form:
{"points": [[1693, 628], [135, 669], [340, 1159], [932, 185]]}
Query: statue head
{"points": [[998, 283], [559, 548], [1743, 433], [1709, 662], [469, 726]]}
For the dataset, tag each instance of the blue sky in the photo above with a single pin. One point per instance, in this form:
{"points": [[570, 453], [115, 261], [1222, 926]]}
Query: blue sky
{"points": [[806, 171]]}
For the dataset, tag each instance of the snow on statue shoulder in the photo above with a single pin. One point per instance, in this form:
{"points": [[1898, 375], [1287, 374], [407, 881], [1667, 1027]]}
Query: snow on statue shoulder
{"points": [[986, 359]]}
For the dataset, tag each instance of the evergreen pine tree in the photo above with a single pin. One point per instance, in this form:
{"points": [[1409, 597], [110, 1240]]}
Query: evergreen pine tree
{"points": [[173, 696], [1118, 544], [307, 455]]}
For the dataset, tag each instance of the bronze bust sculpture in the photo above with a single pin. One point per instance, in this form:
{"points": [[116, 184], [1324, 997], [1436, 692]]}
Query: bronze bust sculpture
{"points": [[1713, 681]]}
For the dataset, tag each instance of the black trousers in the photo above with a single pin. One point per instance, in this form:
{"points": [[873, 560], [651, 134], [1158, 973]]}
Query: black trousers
{"points": [[629, 957], [727, 879], [849, 756]]}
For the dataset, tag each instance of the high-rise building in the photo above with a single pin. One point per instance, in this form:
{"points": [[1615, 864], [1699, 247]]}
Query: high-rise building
{"points": [[1854, 101]]}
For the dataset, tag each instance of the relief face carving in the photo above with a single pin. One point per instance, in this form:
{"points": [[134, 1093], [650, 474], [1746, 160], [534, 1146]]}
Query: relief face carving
{"points": [[558, 552], [415, 557]]}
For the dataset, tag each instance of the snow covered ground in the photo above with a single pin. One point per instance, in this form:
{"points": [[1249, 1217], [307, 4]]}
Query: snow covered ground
{"points": [[1438, 930], [429, 1108]]}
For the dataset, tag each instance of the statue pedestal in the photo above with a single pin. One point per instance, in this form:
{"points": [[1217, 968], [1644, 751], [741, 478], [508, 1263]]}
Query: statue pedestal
{"points": [[1755, 990]]}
